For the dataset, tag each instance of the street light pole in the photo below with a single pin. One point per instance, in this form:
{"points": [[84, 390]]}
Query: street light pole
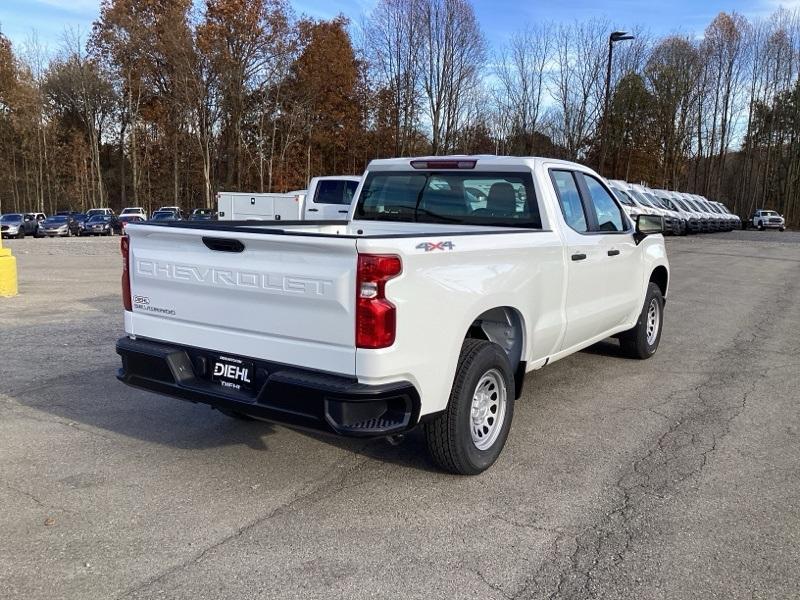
{"points": [[616, 36]]}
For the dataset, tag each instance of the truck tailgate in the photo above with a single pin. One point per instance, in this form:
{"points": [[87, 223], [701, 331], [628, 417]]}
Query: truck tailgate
{"points": [[282, 298]]}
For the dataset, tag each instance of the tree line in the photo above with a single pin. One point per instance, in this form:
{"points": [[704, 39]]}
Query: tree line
{"points": [[170, 101]]}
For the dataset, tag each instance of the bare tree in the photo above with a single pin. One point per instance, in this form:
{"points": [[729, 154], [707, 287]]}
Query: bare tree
{"points": [[577, 83], [521, 68], [453, 52], [393, 36]]}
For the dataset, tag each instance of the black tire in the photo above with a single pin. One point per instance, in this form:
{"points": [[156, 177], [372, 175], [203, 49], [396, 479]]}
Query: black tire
{"points": [[449, 436], [634, 342], [782, 229], [760, 226], [21, 235]]}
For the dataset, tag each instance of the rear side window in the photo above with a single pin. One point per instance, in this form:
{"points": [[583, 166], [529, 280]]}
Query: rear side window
{"points": [[331, 191], [570, 200], [608, 213], [477, 198]]}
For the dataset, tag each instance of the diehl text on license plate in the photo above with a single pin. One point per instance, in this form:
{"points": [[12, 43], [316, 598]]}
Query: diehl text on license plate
{"points": [[233, 373]]}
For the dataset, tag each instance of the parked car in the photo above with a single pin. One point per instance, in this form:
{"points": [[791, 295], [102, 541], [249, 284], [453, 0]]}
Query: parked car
{"points": [[80, 219], [165, 215], [694, 219], [19, 225], [736, 219], [329, 326], [134, 211], [129, 218], [173, 209], [58, 226], [726, 220], [203, 214], [679, 220], [767, 219], [101, 224], [99, 211], [646, 198]]}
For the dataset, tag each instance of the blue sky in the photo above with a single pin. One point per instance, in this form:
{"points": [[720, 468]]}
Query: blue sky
{"points": [[49, 18]]}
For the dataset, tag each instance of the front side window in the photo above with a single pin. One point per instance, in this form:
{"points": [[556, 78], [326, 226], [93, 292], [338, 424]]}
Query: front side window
{"points": [[608, 213], [501, 199], [570, 200]]}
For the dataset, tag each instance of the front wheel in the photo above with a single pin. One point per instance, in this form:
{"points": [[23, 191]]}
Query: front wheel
{"points": [[468, 437], [21, 235], [760, 226], [642, 340]]}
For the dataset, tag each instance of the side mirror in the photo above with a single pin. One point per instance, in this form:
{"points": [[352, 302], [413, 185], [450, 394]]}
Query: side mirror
{"points": [[648, 225]]}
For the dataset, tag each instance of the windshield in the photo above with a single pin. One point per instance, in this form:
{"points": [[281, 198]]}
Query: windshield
{"points": [[623, 197], [697, 206], [500, 199], [56, 219], [99, 219], [129, 211], [664, 201], [11, 219], [764, 213], [163, 216], [682, 204]]}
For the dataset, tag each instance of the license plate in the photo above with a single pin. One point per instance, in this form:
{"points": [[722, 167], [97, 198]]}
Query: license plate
{"points": [[233, 373]]}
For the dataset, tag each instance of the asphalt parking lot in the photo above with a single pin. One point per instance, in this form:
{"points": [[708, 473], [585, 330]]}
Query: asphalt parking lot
{"points": [[676, 477]]}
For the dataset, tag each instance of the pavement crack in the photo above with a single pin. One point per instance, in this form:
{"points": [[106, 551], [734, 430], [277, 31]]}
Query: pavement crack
{"points": [[596, 565]]}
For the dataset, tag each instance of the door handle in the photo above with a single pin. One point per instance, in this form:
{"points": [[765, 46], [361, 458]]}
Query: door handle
{"points": [[344, 212], [313, 210], [613, 252], [577, 257]]}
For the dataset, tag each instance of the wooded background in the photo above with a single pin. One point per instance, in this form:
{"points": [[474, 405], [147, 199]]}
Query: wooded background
{"points": [[169, 101]]}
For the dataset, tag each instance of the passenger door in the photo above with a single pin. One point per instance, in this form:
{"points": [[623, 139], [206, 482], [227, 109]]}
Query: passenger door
{"points": [[585, 259], [622, 267], [330, 200]]}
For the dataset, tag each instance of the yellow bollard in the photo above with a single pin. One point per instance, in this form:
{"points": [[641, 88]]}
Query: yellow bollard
{"points": [[8, 272]]}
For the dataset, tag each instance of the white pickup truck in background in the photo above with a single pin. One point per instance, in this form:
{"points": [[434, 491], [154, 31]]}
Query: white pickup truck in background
{"points": [[453, 278], [326, 199]]}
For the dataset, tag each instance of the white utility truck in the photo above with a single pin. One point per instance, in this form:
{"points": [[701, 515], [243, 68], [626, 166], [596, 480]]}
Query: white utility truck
{"points": [[327, 199], [453, 278]]}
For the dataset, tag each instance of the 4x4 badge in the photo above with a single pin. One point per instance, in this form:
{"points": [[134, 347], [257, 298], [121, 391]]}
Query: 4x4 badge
{"points": [[430, 246]]}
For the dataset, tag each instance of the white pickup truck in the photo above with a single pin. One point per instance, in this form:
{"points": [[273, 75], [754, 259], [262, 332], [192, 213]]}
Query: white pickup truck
{"points": [[453, 278], [326, 199]]}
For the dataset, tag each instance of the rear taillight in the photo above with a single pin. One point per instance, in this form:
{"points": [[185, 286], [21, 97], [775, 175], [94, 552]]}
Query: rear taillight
{"points": [[124, 247], [375, 315]]}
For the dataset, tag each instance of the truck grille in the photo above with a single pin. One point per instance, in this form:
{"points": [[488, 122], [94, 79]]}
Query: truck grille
{"points": [[774, 220]]}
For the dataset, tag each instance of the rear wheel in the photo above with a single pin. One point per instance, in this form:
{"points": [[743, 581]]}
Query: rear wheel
{"points": [[642, 340], [468, 437]]}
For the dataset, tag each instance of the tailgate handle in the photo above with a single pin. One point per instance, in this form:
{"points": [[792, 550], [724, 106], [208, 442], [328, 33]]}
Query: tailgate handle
{"points": [[223, 244]]}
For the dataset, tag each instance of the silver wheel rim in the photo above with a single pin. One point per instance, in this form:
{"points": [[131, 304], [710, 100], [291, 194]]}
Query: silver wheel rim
{"points": [[488, 411], [653, 322]]}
